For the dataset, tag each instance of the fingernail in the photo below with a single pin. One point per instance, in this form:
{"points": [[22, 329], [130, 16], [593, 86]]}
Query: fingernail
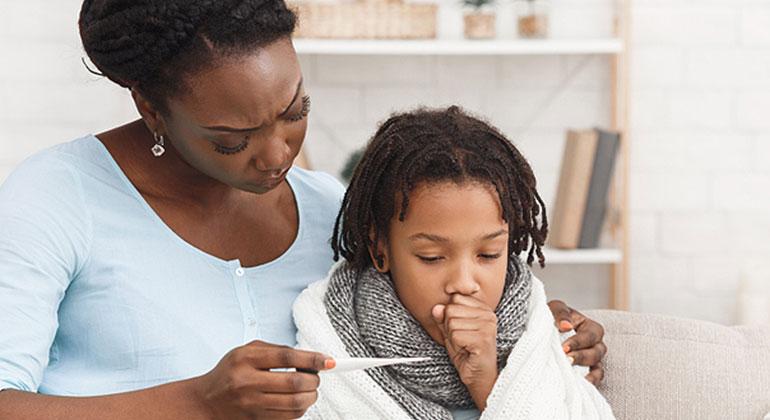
{"points": [[565, 324], [565, 348], [330, 363], [571, 360]]}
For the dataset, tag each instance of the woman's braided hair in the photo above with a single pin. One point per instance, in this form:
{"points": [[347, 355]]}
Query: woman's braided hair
{"points": [[432, 146], [149, 45]]}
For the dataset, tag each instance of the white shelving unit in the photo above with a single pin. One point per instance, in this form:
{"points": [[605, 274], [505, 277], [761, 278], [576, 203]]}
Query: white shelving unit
{"points": [[458, 47], [617, 47], [583, 256]]}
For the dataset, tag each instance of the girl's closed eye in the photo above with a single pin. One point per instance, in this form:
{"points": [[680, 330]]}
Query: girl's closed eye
{"points": [[491, 256], [429, 259]]}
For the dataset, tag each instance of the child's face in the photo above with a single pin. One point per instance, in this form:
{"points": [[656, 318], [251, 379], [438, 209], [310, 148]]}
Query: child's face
{"points": [[453, 240]]}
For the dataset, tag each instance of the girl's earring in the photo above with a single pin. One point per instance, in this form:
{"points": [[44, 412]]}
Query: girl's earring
{"points": [[158, 150]]}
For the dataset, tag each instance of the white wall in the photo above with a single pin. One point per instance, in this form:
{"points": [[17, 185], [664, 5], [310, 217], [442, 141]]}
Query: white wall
{"points": [[700, 173], [700, 176]]}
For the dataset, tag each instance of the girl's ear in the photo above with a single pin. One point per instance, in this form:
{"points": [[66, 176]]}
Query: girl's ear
{"points": [[378, 252]]}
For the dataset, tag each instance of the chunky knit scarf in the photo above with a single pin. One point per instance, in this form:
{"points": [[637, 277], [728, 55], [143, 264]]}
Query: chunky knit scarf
{"points": [[372, 322]]}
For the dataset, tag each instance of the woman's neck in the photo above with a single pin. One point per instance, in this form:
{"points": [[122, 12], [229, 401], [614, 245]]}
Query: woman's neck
{"points": [[166, 178]]}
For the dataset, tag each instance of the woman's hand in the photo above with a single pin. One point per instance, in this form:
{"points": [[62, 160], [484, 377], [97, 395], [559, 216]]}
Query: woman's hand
{"points": [[469, 329], [242, 386], [586, 347]]}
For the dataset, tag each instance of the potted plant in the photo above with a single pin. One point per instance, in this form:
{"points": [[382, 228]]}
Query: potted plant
{"points": [[533, 20], [479, 21]]}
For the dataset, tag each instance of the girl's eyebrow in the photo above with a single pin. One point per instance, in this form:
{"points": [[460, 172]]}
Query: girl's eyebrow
{"points": [[494, 235], [436, 238], [433, 238]]}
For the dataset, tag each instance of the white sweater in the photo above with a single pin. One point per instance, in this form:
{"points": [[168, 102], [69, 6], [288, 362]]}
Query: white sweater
{"points": [[538, 381]]}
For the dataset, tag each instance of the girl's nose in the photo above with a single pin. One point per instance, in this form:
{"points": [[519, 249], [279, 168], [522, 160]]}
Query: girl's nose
{"points": [[462, 281]]}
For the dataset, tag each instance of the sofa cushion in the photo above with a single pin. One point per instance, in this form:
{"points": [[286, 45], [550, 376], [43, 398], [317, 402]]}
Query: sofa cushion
{"points": [[662, 367]]}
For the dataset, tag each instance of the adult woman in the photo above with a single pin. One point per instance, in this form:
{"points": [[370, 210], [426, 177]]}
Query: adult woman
{"points": [[138, 258]]}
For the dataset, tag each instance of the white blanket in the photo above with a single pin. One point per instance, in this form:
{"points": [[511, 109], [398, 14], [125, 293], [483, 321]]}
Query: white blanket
{"points": [[538, 381]]}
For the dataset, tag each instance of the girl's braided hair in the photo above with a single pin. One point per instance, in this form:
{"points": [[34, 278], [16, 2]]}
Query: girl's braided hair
{"points": [[149, 45], [436, 145]]}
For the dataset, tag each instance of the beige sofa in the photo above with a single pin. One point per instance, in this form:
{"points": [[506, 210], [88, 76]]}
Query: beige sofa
{"points": [[660, 367]]}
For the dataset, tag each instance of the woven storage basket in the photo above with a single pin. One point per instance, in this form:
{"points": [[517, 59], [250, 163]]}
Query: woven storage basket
{"points": [[365, 19], [479, 25]]}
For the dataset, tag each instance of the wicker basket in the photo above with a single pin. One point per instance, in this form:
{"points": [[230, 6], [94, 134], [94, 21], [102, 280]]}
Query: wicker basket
{"points": [[365, 19], [479, 25]]}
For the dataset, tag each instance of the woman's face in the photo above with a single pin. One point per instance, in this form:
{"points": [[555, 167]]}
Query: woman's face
{"points": [[453, 240], [243, 122]]}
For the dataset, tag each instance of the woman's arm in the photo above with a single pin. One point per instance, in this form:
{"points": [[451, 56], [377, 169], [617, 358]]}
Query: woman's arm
{"points": [[171, 401], [241, 386], [586, 347]]}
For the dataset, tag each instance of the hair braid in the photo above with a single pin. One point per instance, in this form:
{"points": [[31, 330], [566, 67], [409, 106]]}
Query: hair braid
{"points": [[434, 146], [151, 45]]}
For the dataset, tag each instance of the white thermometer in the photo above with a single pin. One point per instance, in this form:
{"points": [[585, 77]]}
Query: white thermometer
{"points": [[355, 363]]}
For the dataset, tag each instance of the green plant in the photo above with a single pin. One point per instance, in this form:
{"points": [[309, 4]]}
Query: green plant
{"points": [[350, 164], [477, 4]]}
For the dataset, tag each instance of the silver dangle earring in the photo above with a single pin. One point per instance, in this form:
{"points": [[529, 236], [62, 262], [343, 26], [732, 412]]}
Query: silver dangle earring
{"points": [[158, 150]]}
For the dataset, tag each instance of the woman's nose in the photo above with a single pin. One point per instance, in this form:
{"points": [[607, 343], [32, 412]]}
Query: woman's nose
{"points": [[274, 153]]}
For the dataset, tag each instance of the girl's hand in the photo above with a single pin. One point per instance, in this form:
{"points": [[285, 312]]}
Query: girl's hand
{"points": [[469, 329], [242, 386]]}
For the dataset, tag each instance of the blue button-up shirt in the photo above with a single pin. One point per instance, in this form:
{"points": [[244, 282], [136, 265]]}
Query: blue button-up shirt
{"points": [[98, 295]]}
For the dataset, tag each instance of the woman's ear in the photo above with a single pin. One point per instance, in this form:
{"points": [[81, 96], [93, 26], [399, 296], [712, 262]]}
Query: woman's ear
{"points": [[151, 117], [378, 252]]}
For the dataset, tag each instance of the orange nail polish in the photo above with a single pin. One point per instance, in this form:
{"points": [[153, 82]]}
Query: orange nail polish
{"points": [[565, 348], [565, 324], [330, 363]]}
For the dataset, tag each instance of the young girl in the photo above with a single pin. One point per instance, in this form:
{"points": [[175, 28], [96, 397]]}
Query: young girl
{"points": [[438, 210]]}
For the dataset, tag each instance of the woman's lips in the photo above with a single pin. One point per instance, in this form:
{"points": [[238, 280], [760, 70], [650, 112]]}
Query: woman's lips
{"points": [[273, 182]]}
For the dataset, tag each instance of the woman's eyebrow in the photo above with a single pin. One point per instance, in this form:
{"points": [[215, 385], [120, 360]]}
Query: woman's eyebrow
{"points": [[231, 129], [248, 129], [294, 99]]}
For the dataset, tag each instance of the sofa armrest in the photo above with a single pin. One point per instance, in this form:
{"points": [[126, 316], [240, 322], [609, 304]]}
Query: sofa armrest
{"points": [[663, 367]]}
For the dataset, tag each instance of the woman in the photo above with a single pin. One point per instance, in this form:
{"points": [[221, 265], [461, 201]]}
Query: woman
{"points": [[137, 263]]}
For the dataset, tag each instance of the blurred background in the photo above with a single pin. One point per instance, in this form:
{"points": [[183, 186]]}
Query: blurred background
{"points": [[695, 90]]}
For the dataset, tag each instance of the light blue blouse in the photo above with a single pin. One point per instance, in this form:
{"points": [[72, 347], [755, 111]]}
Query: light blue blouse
{"points": [[98, 295]]}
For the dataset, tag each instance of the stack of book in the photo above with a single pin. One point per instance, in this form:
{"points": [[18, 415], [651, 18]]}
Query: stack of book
{"points": [[584, 183]]}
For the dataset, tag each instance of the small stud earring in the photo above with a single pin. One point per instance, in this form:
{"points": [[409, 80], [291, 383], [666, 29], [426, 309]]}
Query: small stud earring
{"points": [[158, 150]]}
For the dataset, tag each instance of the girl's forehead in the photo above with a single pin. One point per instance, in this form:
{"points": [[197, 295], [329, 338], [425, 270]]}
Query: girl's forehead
{"points": [[437, 202], [439, 189]]}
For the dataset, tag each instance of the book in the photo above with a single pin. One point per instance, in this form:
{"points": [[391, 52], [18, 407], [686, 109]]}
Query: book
{"points": [[601, 174], [572, 191]]}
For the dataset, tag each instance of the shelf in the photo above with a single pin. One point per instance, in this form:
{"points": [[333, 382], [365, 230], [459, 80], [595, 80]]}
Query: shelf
{"points": [[582, 256], [457, 47]]}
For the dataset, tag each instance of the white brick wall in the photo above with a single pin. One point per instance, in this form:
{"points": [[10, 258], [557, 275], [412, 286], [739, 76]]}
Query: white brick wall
{"points": [[700, 158], [701, 153]]}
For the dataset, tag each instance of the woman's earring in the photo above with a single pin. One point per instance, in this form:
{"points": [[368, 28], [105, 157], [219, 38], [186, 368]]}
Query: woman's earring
{"points": [[158, 150]]}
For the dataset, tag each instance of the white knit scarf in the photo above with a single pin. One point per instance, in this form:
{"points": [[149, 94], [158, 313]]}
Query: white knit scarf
{"points": [[537, 383], [372, 322]]}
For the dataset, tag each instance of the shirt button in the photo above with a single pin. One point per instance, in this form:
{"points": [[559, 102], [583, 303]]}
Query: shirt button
{"points": [[239, 271], [251, 322]]}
